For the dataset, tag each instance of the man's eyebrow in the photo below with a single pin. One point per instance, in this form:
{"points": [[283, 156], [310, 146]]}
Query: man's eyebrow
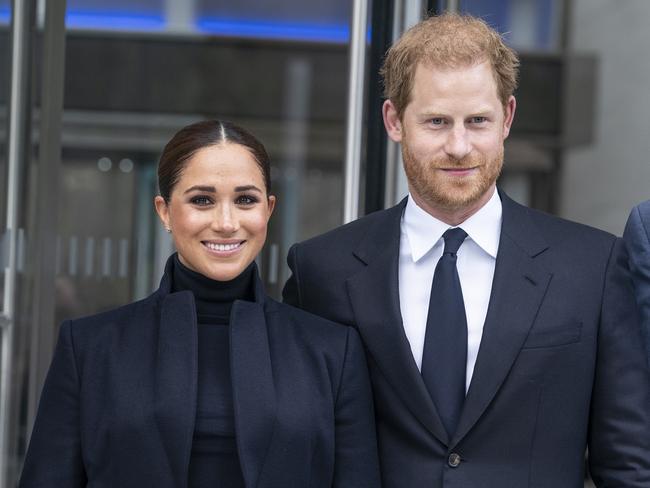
{"points": [[210, 189]]}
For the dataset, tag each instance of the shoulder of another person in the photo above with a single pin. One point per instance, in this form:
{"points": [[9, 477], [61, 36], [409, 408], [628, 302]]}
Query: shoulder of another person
{"points": [[351, 233], [307, 322], [644, 211]]}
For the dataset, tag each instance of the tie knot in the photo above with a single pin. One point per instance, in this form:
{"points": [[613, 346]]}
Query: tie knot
{"points": [[453, 239]]}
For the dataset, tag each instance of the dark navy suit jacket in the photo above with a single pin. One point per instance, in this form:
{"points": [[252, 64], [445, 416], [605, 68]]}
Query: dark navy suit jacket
{"points": [[560, 365], [637, 239], [118, 406]]}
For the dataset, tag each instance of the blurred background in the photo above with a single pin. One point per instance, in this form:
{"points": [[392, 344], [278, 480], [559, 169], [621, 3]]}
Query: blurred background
{"points": [[91, 90]]}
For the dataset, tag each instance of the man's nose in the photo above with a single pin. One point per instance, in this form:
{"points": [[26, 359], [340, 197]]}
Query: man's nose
{"points": [[457, 144]]}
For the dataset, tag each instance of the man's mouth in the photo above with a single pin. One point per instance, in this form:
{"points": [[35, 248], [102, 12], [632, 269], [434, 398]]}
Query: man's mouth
{"points": [[459, 171]]}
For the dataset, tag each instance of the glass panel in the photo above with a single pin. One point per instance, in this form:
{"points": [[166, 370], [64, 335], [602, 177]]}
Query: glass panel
{"points": [[282, 19], [126, 93], [5, 68], [531, 25], [121, 104], [5, 12], [116, 15]]}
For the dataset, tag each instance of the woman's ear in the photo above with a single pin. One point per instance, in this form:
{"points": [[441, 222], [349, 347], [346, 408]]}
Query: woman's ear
{"points": [[271, 204], [162, 209]]}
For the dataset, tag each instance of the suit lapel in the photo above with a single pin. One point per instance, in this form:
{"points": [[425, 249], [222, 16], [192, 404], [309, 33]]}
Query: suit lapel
{"points": [[518, 288], [253, 387], [374, 294], [176, 380]]}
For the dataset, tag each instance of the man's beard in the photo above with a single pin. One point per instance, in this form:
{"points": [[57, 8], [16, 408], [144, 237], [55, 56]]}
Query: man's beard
{"points": [[450, 193]]}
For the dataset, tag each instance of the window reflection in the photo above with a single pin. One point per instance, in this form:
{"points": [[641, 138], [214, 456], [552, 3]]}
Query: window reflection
{"points": [[529, 25]]}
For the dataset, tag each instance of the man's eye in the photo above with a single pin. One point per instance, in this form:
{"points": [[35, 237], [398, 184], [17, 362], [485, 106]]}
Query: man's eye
{"points": [[200, 200], [437, 121], [479, 120]]}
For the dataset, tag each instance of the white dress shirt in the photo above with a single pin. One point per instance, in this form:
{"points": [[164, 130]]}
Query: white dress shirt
{"points": [[421, 246]]}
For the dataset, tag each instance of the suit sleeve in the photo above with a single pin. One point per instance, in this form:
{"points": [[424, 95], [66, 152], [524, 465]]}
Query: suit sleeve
{"points": [[637, 240], [356, 460], [291, 290], [619, 438], [54, 456]]}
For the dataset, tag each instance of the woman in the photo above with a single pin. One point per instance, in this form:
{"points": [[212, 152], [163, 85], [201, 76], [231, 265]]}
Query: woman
{"points": [[207, 382]]}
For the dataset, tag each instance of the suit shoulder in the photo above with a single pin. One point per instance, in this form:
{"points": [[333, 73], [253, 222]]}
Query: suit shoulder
{"points": [[559, 229], [315, 325], [644, 208], [348, 235], [642, 212]]}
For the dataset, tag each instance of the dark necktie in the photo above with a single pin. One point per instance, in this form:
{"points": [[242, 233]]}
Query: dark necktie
{"points": [[444, 357]]}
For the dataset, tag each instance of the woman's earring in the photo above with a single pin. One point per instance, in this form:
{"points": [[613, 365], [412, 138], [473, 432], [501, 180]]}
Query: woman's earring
{"points": [[168, 230]]}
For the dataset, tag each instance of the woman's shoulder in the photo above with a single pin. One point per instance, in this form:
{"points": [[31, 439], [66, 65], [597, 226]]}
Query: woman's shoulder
{"points": [[120, 316]]}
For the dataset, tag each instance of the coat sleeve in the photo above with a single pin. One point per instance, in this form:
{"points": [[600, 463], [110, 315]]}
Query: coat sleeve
{"points": [[54, 457], [291, 290], [637, 240], [356, 463], [619, 437]]}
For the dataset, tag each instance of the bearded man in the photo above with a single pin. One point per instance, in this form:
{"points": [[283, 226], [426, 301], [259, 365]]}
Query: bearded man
{"points": [[502, 342]]}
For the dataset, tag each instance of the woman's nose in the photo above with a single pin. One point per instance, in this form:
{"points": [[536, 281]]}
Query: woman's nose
{"points": [[225, 220]]}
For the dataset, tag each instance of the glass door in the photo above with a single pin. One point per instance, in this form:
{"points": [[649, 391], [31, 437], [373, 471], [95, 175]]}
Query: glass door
{"points": [[131, 73]]}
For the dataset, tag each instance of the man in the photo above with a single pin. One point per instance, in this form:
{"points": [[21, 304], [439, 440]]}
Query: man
{"points": [[498, 362], [637, 239]]}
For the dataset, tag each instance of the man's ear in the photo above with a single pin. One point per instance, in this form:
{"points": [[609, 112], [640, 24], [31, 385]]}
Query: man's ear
{"points": [[509, 115], [392, 122]]}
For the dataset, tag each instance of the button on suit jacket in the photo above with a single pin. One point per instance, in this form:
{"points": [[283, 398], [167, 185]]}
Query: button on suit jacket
{"points": [[560, 366], [119, 403]]}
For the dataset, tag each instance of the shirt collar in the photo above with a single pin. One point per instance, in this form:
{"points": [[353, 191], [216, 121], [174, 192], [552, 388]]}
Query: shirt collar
{"points": [[423, 230]]}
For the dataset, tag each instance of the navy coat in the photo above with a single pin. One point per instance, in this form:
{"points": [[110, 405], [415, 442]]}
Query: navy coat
{"points": [[637, 239], [119, 401], [560, 366]]}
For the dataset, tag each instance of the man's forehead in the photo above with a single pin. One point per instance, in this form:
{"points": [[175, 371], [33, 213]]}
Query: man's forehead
{"points": [[469, 90], [450, 64]]}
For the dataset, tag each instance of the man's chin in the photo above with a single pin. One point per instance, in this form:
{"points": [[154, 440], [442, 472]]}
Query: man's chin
{"points": [[457, 200]]}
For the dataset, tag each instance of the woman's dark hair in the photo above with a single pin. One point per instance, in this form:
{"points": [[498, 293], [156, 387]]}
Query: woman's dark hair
{"points": [[190, 139]]}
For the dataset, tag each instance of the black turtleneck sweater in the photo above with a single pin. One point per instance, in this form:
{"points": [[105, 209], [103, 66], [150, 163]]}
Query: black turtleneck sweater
{"points": [[214, 460]]}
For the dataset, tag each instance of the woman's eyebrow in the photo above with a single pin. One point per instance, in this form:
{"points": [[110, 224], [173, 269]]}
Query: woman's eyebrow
{"points": [[210, 189], [247, 188]]}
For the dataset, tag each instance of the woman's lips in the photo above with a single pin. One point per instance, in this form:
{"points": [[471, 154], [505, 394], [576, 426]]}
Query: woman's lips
{"points": [[223, 248]]}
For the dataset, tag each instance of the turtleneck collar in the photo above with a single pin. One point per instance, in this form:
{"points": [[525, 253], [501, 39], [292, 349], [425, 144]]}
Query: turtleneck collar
{"points": [[213, 298]]}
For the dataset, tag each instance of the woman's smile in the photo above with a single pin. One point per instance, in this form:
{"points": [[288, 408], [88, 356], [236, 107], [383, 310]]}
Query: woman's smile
{"points": [[218, 211], [224, 248]]}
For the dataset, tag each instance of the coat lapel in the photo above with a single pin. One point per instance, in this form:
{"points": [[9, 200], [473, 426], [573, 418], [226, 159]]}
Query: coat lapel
{"points": [[176, 381], [177, 372], [374, 294], [518, 288], [253, 388]]}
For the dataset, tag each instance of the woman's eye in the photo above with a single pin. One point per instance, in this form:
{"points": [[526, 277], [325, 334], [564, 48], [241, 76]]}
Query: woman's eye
{"points": [[200, 200], [246, 200]]}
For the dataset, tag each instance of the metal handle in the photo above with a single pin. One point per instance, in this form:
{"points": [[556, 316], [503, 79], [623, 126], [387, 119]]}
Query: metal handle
{"points": [[355, 110], [22, 13]]}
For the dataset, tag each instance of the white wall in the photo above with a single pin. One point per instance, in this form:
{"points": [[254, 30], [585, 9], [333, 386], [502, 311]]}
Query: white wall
{"points": [[603, 181]]}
